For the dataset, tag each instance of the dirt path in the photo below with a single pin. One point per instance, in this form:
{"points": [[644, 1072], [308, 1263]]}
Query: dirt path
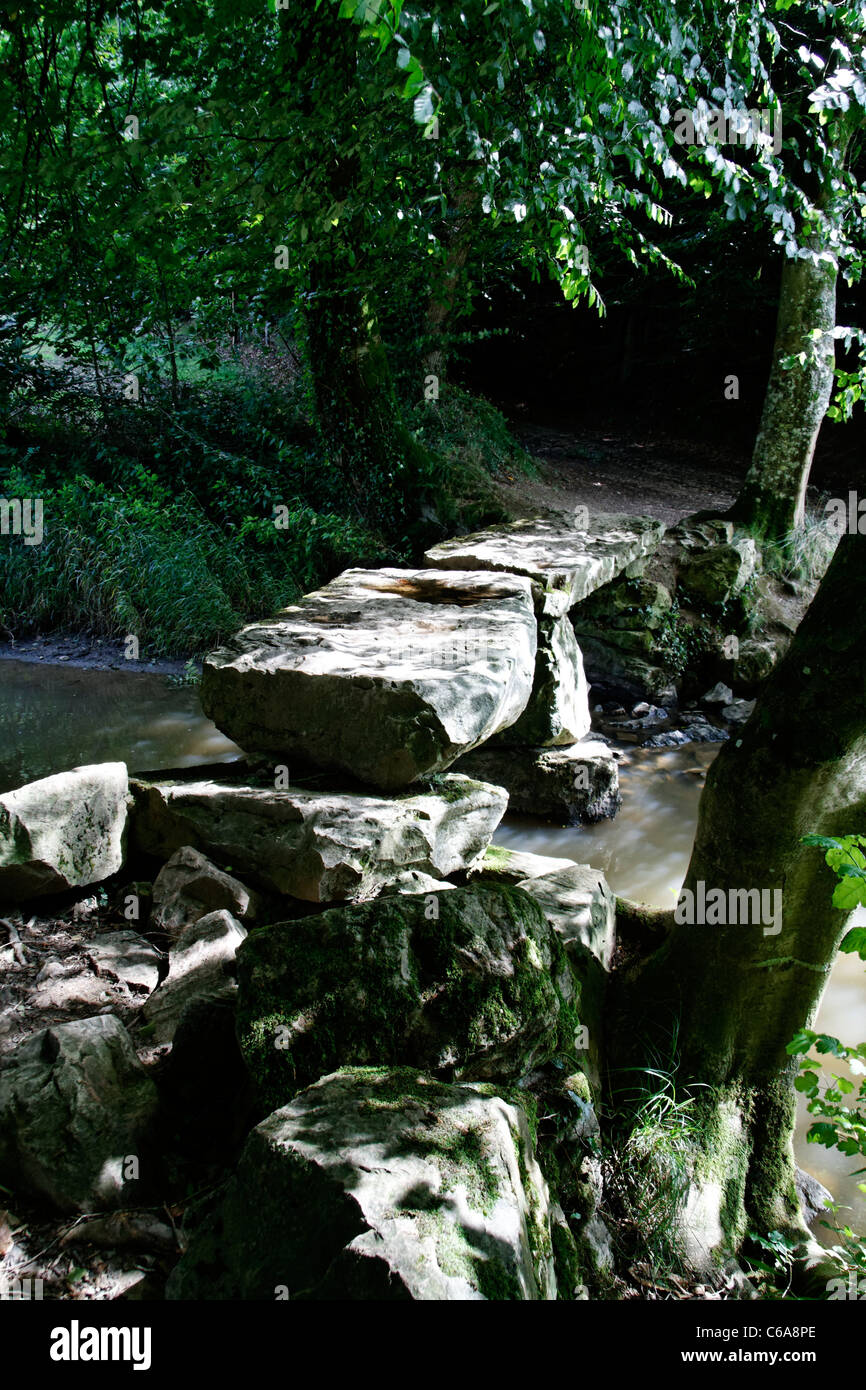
{"points": [[655, 476]]}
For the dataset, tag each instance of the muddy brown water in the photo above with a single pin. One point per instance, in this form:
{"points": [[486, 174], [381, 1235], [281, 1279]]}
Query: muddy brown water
{"points": [[57, 717], [54, 717]]}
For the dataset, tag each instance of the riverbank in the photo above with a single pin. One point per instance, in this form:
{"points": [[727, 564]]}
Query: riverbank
{"points": [[91, 654]]}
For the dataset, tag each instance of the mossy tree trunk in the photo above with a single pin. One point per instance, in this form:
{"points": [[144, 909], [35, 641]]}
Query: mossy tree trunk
{"points": [[738, 993], [356, 407], [771, 503], [772, 500]]}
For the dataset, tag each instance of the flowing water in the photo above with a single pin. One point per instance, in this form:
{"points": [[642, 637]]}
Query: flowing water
{"points": [[55, 717]]}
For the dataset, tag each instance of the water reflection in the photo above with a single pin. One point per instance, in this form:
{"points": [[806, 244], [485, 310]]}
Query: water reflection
{"points": [[55, 717]]}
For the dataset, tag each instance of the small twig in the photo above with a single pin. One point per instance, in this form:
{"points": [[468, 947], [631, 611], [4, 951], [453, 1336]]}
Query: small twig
{"points": [[15, 941], [179, 1241]]}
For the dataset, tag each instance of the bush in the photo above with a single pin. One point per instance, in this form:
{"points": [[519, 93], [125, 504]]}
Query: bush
{"points": [[160, 514], [151, 563]]}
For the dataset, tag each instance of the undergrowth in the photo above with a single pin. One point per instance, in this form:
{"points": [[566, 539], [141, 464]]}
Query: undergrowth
{"points": [[177, 521]]}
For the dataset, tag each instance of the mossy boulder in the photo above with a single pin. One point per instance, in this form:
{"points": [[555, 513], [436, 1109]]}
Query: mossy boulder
{"points": [[468, 983], [581, 908], [578, 903], [627, 605], [716, 575], [380, 1184], [755, 659], [623, 631]]}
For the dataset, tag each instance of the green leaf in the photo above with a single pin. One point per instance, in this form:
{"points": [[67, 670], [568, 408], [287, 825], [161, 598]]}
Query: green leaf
{"points": [[822, 1133], [854, 942]]}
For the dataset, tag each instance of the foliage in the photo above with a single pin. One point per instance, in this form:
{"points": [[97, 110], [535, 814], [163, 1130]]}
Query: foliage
{"points": [[841, 1104], [845, 857], [471, 433], [148, 562], [231, 484], [535, 123], [804, 554], [337, 178], [850, 385], [679, 643], [322, 174], [650, 1164], [772, 1272], [189, 676]]}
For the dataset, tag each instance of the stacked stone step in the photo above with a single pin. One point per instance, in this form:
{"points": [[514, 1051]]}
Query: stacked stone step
{"points": [[390, 676], [352, 704], [545, 760]]}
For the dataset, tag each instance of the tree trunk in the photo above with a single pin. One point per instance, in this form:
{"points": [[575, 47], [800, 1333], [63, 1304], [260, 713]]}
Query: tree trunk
{"points": [[738, 993], [772, 501], [368, 451], [356, 409]]}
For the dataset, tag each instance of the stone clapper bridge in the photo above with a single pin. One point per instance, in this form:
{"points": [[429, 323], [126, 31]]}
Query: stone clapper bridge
{"points": [[414, 706], [388, 676]]}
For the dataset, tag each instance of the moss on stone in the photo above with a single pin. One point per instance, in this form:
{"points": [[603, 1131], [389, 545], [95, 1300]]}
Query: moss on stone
{"points": [[381, 983], [463, 1159], [484, 1270], [566, 1261]]}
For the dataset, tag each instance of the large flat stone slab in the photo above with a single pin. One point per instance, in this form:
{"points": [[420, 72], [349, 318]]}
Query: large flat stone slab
{"points": [[317, 845], [64, 831], [565, 562], [383, 674]]}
